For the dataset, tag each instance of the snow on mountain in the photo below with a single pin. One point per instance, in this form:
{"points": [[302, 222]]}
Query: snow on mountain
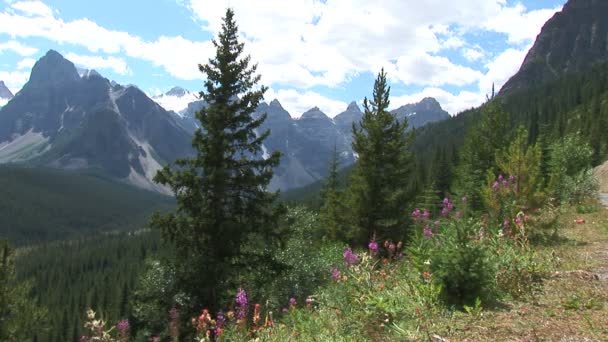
{"points": [[176, 99]]}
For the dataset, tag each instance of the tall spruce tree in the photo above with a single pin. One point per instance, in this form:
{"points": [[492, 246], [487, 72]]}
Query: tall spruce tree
{"points": [[477, 155], [378, 192], [332, 208], [225, 222]]}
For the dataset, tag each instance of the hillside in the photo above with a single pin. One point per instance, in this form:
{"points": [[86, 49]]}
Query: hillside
{"points": [[39, 205]]}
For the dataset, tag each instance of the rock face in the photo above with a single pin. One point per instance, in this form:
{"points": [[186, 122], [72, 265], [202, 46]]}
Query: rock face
{"points": [[63, 120], [419, 114], [5, 93], [571, 41]]}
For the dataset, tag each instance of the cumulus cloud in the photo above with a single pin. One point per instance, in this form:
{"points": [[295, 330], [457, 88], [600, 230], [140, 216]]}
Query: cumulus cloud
{"points": [[15, 46], [32, 8], [118, 65], [14, 79], [26, 63], [300, 44]]}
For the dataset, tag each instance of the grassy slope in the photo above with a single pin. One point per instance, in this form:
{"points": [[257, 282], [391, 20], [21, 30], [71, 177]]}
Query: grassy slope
{"points": [[39, 205]]}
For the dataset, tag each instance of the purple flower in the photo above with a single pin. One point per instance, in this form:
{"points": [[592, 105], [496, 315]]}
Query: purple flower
{"points": [[445, 212], [373, 247], [284, 310], [511, 179], [506, 224], [416, 214], [519, 220], [495, 186], [350, 258], [335, 274], [221, 319], [505, 183], [241, 297], [458, 215], [292, 302], [446, 201], [309, 301], [123, 327], [241, 303], [426, 215], [427, 232]]}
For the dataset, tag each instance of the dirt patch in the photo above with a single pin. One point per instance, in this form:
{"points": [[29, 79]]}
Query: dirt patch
{"points": [[601, 173]]}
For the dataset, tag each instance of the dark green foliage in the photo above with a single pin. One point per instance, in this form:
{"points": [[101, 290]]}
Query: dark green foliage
{"points": [[20, 316], [226, 220], [69, 277], [40, 205], [478, 155], [378, 191], [332, 209]]}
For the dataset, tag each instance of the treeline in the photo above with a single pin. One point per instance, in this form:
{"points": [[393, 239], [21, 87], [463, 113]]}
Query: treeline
{"points": [[573, 103], [70, 276], [40, 205]]}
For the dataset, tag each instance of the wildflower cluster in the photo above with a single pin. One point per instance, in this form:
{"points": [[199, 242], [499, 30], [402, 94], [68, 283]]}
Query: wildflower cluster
{"points": [[97, 330], [209, 329]]}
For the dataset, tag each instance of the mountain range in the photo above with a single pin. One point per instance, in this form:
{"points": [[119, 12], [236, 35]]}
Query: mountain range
{"points": [[75, 119]]}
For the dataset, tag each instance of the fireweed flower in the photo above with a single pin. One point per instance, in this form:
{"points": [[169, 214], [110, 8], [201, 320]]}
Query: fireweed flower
{"points": [[241, 304], [350, 258], [458, 215], [426, 215], [416, 214], [427, 232], [221, 319], [310, 301], [123, 327], [495, 186], [373, 247], [335, 274], [292, 302]]}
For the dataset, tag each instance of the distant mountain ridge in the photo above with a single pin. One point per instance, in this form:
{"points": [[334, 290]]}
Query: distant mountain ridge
{"points": [[307, 142], [75, 119], [63, 120]]}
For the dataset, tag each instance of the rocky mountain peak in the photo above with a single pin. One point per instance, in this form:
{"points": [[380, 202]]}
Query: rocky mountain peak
{"points": [[275, 103], [315, 114], [353, 107], [429, 103], [177, 91], [53, 69], [5, 93]]}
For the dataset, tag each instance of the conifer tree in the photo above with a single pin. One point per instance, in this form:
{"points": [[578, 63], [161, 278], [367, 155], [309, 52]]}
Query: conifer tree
{"points": [[226, 220], [20, 317], [477, 155], [332, 209], [379, 192]]}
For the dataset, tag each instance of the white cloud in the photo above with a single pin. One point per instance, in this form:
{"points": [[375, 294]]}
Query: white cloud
{"points": [[26, 63], [472, 55], [14, 79], [296, 102], [32, 8], [425, 69], [519, 25], [17, 47], [312, 42], [117, 65], [501, 69]]}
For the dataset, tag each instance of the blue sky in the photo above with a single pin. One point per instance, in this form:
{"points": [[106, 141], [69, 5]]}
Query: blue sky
{"points": [[310, 52]]}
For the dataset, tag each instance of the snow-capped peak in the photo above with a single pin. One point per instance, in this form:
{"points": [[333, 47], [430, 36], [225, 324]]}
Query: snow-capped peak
{"points": [[176, 99]]}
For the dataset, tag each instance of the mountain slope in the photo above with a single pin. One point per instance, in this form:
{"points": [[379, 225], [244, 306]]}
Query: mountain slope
{"points": [[570, 42], [39, 205], [63, 120]]}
